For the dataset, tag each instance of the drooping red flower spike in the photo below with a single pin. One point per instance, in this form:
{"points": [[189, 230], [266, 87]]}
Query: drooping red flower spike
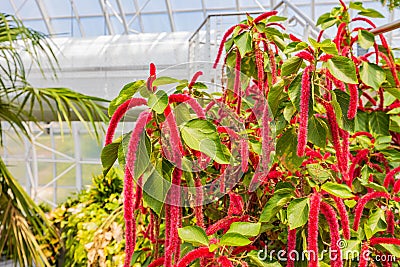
{"points": [[390, 221], [157, 262], [198, 209], [272, 63], [194, 79], [330, 215], [344, 218], [343, 5], [244, 154], [119, 113], [236, 204], [224, 38], [312, 239], [384, 240], [339, 36], [345, 135], [225, 223], [306, 56], [260, 69], [224, 261], [364, 255], [291, 246], [293, 38], [361, 204], [304, 106], [264, 16], [201, 252], [353, 89], [389, 179], [396, 187], [183, 98], [129, 185], [151, 78], [175, 155]]}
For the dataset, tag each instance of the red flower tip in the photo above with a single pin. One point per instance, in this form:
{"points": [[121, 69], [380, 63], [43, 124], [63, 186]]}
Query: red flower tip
{"points": [[390, 221], [384, 240], [152, 69], [291, 246], [389, 179], [235, 204], [294, 38], [264, 16], [325, 57], [312, 239], [202, 252], [194, 79], [305, 55]]}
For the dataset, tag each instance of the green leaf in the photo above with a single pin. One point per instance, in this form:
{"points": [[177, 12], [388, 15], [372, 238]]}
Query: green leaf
{"points": [[362, 122], [393, 249], [379, 123], [342, 68], [294, 47], [275, 203], [376, 221], [155, 189], [291, 66], [201, 135], [245, 228], [286, 150], [393, 91], [297, 212], [275, 96], [294, 91], [234, 239], [326, 21], [318, 173], [243, 42], [343, 99], [350, 248], [365, 39], [194, 235], [127, 92], [165, 80], [339, 190], [109, 155], [372, 75], [372, 13], [158, 101], [317, 131]]}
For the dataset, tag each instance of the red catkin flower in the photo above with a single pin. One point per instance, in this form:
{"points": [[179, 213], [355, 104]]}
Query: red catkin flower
{"points": [[264, 16], [384, 240], [157, 262], [367, 134], [304, 103], [182, 98], [390, 221], [330, 215], [321, 33], [224, 38], [119, 113], [235, 204], [353, 89], [174, 138], [237, 85], [346, 153], [389, 179], [151, 78], [343, 5], [198, 210], [224, 261], [194, 79], [225, 223], [265, 143], [325, 57], [128, 185], [260, 68], [244, 154], [339, 37], [272, 62], [344, 218], [305, 55], [396, 187], [361, 204], [364, 255], [202, 252], [312, 239], [294, 38], [291, 246]]}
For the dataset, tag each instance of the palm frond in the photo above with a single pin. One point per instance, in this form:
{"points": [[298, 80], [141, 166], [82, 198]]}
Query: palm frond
{"points": [[21, 220]]}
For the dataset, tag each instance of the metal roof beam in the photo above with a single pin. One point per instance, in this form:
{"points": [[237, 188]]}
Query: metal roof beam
{"points": [[106, 17], [78, 19], [138, 14], [45, 16], [122, 14], [170, 15]]}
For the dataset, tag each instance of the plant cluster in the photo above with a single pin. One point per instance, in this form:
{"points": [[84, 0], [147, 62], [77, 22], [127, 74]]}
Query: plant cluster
{"points": [[217, 187]]}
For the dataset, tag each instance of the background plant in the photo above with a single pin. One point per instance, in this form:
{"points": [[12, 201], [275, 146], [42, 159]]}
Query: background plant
{"points": [[330, 177]]}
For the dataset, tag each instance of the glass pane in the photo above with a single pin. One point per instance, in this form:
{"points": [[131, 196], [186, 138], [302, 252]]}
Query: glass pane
{"points": [[64, 193], [94, 26], [58, 8], [185, 4], [210, 4], [88, 7], [38, 25], [6, 7], [156, 23], [89, 147], [62, 27], [152, 5], [188, 21], [69, 177], [88, 171], [28, 9]]}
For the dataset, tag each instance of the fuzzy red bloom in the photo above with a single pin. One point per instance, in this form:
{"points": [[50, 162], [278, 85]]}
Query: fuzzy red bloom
{"points": [[321, 33], [157, 262], [235, 204], [390, 221], [339, 37], [367, 134], [272, 62], [294, 38], [182, 98], [194, 79], [291, 246], [169, 128], [304, 103], [364, 255], [344, 218], [151, 78], [325, 57], [264, 16], [224, 38], [384, 240], [244, 154], [225, 223], [198, 209], [260, 68], [330, 215], [312, 239], [224, 261], [346, 153], [389, 179], [202, 252], [266, 139], [237, 84], [239, 250], [305, 55], [152, 69], [119, 113], [353, 88], [361, 204], [396, 187]]}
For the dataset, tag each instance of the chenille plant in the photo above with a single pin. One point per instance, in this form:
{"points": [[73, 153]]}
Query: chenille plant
{"points": [[299, 152]]}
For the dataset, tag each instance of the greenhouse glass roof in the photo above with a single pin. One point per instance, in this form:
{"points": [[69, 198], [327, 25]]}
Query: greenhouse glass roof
{"points": [[83, 18]]}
